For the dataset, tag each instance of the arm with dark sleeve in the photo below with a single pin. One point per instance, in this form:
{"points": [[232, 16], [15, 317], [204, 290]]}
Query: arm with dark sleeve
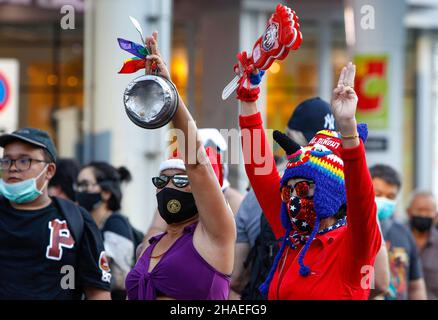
{"points": [[363, 238], [415, 265], [261, 170], [93, 270]]}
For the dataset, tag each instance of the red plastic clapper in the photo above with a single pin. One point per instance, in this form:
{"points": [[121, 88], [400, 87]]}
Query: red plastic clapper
{"points": [[281, 35]]}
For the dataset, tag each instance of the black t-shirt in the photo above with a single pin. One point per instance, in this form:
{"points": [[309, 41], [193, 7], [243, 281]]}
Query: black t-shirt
{"points": [[38, 252]]}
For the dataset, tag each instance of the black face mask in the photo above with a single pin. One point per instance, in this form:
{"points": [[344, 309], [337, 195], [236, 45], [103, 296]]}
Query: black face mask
{"points": [[421, 224], [88, 200], [176, 206]]}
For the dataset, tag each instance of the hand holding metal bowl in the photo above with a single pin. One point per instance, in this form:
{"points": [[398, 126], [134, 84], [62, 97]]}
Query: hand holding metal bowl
{"points": [[150, 100]]}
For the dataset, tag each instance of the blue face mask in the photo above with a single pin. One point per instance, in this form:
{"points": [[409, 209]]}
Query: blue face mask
{"points": [[22, 192], [385, 208]]}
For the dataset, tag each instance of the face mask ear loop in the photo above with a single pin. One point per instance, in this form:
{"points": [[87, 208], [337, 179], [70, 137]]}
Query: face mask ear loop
{"points": [[45, 183]]}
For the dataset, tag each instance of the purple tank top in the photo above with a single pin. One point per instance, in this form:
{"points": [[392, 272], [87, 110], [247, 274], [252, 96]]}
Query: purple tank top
{"points": [[181, 274]]}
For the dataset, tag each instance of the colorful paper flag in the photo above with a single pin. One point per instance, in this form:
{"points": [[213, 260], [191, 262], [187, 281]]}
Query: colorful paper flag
{"points": [[134, 48], [132, 65]]}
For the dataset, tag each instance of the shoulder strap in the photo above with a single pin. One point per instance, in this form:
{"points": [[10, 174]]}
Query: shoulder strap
{"points": [[73, 215]]}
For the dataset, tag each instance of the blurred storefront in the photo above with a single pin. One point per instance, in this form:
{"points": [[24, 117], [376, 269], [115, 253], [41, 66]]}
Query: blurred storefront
{"points": [[50, 61], [68, 81]]}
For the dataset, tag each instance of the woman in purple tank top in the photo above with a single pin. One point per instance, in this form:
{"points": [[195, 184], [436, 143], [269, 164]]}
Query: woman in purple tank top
{"points": [[193, 259]]}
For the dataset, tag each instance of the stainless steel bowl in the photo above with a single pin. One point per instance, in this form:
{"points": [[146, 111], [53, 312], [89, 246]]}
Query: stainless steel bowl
{"points": [[150, 101]]}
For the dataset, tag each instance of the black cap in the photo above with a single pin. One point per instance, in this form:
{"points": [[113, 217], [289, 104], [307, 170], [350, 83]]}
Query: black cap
{"points": [[311, 116], [32, 136]]}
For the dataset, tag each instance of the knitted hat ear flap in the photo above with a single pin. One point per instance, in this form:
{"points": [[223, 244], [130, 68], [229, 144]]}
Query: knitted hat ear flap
{"points": [[284, 217], [264, 287], [305, 270]]}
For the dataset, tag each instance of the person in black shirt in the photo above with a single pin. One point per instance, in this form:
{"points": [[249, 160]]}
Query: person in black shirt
{"points": [[99, 191], [406, 275], [40, 255]]}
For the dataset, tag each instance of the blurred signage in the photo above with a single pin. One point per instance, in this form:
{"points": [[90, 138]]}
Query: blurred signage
{"points": [[47, 4], [376, 144], [371, 85], [9, 85]]}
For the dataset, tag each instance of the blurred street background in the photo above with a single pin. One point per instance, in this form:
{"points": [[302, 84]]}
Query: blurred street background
{"points": [[60, 75]]}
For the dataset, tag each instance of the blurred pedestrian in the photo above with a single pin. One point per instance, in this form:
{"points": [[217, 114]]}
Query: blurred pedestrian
{"points": [[99, 191], [406, 276], [422, 212]]}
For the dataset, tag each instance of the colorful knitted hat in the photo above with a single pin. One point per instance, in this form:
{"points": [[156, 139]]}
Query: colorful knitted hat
{"points": [[320, 162]]}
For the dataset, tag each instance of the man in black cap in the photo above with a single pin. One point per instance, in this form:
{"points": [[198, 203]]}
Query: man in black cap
{"points": [[41, 257], [309, 117]]}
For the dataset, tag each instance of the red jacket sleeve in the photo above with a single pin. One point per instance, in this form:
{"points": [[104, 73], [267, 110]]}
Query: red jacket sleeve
{"points": [[363, 237], [261, 170]]}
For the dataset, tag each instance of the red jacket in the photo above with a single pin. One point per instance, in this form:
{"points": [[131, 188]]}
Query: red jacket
{"points": [[341, 260]]}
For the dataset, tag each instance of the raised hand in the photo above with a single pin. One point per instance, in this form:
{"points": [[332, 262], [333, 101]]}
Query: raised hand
{"points": [[154, 60], [344, 104], [344, 101]]}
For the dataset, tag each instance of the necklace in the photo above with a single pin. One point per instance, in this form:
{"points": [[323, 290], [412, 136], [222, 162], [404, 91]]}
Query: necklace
{"points": [[159, 256]]}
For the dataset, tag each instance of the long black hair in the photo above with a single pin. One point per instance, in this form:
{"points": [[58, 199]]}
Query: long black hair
{"points": [[110, 179]]}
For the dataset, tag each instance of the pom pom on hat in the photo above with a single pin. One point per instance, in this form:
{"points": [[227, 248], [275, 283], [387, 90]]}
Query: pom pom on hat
{"points": [[172, 163]]}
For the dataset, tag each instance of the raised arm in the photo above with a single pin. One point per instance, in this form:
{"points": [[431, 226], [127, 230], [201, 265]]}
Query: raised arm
{"points": [[363, 236], [260, 165], [215, 216]]}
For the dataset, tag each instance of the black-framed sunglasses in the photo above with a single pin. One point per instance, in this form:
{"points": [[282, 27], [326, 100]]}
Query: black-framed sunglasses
{"points": [[179, 180], [22, 164]]}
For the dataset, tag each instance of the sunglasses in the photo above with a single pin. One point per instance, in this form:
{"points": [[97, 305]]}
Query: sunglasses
{"points": [[302, 189], [179, 180]]}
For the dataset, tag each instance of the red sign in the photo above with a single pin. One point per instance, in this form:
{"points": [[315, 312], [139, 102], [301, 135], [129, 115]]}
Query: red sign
{"points": [[370, 83]]}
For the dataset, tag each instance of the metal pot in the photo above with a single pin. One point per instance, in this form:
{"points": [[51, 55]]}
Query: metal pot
{"points": [[150, 101]]}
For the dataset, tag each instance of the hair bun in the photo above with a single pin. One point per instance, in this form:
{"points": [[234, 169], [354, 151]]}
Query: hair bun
{"points": [[125, 175]]}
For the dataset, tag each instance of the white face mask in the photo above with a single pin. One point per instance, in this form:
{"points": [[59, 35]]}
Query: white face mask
{"points": [[23, 191]]}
